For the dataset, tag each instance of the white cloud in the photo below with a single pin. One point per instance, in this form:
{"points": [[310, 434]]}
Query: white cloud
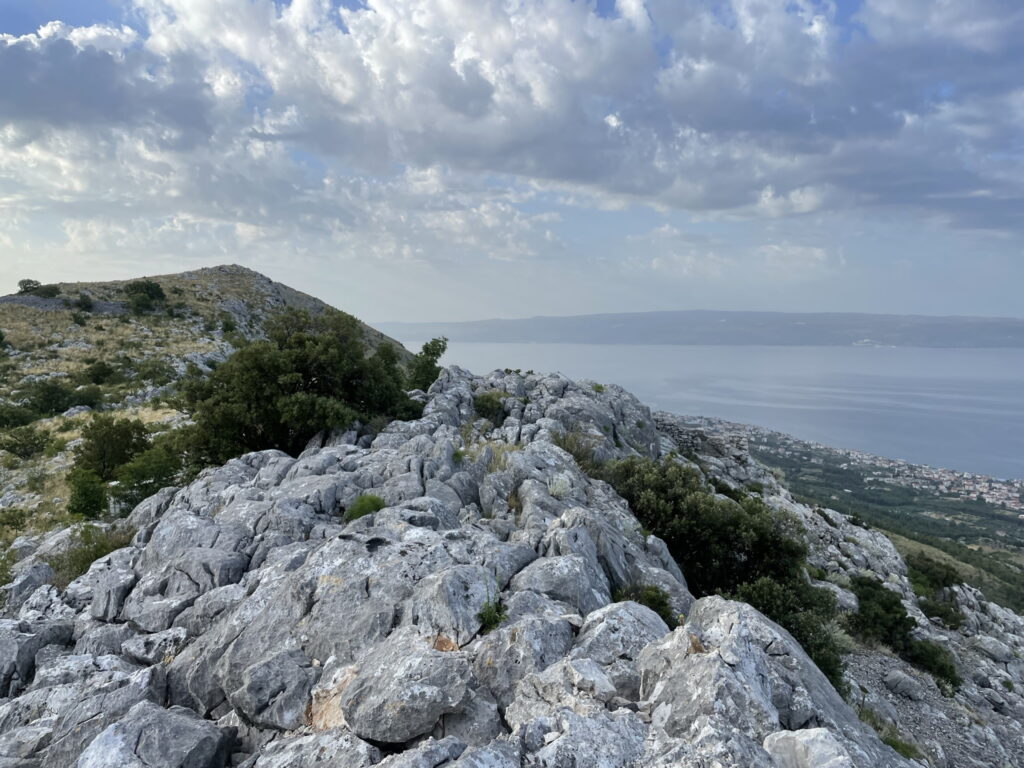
{"points": [[438, 130]]}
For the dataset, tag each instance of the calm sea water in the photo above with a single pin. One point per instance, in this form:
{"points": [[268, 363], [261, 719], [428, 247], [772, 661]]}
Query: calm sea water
{"points": [[961, 409]]}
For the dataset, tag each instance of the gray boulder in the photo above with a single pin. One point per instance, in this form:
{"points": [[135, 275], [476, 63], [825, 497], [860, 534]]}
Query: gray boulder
{"points": [[403, 688], [149, 736]]}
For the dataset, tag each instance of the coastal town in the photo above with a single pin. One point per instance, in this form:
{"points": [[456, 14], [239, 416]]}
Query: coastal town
{"points": [[1005, 494]]}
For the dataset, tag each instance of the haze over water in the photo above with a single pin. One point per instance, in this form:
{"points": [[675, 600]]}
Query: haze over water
{"points": [[955, 408]]}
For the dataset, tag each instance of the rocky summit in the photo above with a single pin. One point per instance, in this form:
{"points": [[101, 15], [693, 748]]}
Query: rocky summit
{"points": [[470, 621]]}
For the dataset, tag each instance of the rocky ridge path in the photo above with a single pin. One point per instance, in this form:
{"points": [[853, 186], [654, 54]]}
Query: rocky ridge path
{"points": [[249, 624]]}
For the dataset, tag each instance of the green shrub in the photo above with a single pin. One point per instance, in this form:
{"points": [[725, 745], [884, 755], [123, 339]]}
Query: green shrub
{"points": [[47, 291], [108, 442], [942, 610], [458, 456], [78, 318], [15, 416], [929, 575], [90, 544], [311, 373], [84, 302], [423, 369], [934, 659], [881, 617], [228, 325], [155, 371], [88, 494], [50, 397], [490, 616], [880, 614], [159, 466], [888, 734], [24, 442], [653, 597], [100, 372], [149, 288], [141, 304], [1007, 684], [488, 405], [366, 504], [599, 388], [741, 548]]}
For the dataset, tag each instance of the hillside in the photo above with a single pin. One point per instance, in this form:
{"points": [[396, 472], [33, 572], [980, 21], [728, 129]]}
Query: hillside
{"points": [[501, 606], [97, 351], [731, 328]]}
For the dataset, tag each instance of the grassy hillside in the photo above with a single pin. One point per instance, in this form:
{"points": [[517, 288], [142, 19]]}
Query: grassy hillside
{"points": [[71, 349]]}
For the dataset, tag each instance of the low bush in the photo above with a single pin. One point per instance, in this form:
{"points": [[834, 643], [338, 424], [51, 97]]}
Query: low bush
{"points": [[653, 597], [488, 405], [50, 397], [100, 372], [88, 494], [881, 617], [741, 548], [933, 659], [84, 302], [491, 616], [149, 288], [365, 505], [15, 416], [90, 543], [24, 442]]}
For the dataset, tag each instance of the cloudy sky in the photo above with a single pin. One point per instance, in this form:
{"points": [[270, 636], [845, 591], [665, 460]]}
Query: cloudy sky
{"points": [[456, 159]]}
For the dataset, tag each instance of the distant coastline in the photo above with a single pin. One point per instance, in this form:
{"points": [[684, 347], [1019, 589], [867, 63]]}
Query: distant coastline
{"points": [[716, 328]]}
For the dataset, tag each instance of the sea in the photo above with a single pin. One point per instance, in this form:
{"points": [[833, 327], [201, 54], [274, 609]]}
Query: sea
{"points": [[960, 409]]}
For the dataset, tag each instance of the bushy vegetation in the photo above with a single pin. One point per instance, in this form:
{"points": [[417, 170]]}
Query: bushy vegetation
{"points": [[740, 548], [144, 296], [490, 616], [24, 442], [365, 505], [930, 577], [654, 598], [488, 405], [888, 734], [88, 494], [881, 617], [311, 373], [423, 369], [107, 443], [50, 397]]}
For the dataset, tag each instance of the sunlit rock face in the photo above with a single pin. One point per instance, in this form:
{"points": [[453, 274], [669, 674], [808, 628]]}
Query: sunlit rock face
{"points": [[469, 622]]}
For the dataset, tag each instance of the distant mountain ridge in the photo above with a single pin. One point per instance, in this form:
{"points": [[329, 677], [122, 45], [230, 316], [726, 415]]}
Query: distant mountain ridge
{"points": [[709, 327]]}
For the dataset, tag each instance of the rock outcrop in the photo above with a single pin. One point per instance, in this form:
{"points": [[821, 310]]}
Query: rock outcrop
{"points": [[249, 624]]}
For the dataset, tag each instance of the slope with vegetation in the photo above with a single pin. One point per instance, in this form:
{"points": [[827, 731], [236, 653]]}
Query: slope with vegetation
{"points": [[110, 391]]}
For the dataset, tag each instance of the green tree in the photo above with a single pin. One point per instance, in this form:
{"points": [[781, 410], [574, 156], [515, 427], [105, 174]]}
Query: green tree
{"points": [[423, 369], [28, 286], [88, 494], [147, 472], [107, 443], [311, 373]]}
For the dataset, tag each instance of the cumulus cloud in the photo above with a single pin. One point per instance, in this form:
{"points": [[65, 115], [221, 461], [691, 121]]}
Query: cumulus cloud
{"points": [[433, 129]]}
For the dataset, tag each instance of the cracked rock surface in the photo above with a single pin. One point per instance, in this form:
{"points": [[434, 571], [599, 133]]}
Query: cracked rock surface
{"points": [[249, 624]]}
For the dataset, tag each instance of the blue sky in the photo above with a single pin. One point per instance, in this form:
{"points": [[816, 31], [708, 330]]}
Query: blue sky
{"points": [[413, 159]]}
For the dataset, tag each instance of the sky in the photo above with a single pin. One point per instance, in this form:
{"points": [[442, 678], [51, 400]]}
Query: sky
{"points": [[460, 159]]}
